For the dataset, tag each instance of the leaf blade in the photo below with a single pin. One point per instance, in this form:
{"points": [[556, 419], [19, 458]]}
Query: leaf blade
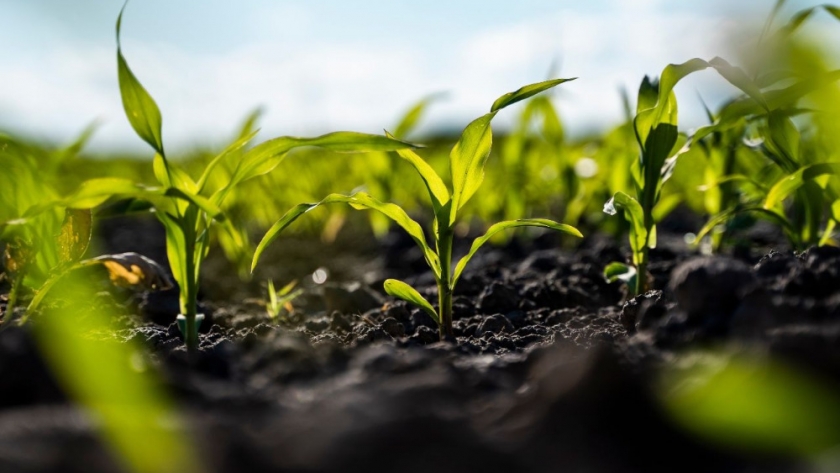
{"points": [[506, 225], [401, 290], [140, 108]]}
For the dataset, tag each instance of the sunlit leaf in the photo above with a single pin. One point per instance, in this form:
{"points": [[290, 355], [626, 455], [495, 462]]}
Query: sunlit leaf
{"points": [[94, 192], [729, 214], [140, 109], [616, 271], [524, 92], [438, 192], [358, 201], [203, 203], [761, 405], [790, 183], [634, 214], [115, 383], [467, 161], [403, 291], [783, 139], [264, 157], [498, 227]]}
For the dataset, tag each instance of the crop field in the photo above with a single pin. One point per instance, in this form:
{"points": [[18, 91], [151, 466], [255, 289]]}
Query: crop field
{"points": [[507, 295]]}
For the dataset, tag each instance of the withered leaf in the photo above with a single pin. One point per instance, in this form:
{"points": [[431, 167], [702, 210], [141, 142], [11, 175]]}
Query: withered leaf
{"points": [[16, 257], [74, 237], [135, 270]]}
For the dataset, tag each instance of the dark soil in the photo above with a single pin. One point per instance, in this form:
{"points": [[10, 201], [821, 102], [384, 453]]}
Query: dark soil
{"points": [[550, 369]]}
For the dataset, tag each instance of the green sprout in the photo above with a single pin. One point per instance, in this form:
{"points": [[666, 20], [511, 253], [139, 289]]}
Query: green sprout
{"points": [[188, 208], [789, 177], [280, 301], [655, 125], [467, 160]]}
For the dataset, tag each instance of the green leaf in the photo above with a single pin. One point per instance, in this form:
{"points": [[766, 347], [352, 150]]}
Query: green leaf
{"points": [[403, 291], [203, 203], [616, 271], [142, 111], [264, 157], [753, 404], [438, 192], [634, 214], [170, 175], [176, 249], [665, 110], [785, 186], [737, 77], [467, 160], [524, 92], [232, 148], [783, 140], [160, 167], [779, 98], [723, 217], [496, 228], [93, 192], [358, 201]]}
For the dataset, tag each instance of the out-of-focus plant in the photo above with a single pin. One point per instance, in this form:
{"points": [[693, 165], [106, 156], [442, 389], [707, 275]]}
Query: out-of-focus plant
{"points": [[185, 213], [751, 403], [467, 161], [113, 381], [801, 162], [280, 301], [655, 125], [36, 176]]}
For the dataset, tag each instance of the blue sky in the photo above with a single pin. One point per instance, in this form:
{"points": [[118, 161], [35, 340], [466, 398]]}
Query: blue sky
{"points": [[323, 65]]}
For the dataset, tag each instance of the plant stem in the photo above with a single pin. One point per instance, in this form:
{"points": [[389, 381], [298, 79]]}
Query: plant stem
{"points": [[641, 271], [190, 295], [444, 283]]}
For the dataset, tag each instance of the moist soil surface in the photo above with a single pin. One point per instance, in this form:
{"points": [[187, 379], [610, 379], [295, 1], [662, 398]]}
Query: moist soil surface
{"points": [[551, 369]]}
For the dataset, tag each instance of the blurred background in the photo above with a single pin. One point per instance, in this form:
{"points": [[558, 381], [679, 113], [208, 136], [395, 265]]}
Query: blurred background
{"points": [[318, 66]]}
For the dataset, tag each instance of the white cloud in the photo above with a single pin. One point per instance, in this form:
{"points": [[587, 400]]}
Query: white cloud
{"points": [[320, 86]]}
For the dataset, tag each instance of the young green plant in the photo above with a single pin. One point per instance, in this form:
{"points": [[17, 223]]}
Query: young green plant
{"points": [[655, 126], [186, 207], [467, 160]]}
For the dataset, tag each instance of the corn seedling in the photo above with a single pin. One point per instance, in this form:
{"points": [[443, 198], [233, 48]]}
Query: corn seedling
{"points": [[280, 301], [467, 160], [655, 125], [185, 213], [799, 170]]}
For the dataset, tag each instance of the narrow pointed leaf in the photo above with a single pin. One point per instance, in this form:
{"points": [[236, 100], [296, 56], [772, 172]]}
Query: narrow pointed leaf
{"points": [[232, 148], [467, 161], [783, 138], [93, 192], [498, 227], [358, 201], [727, 215], [401, 290], [264, 157], [140, 109], [203, 203], [616, 271], [437, 189], [788, 184], [524, 92], [634, 214]]}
